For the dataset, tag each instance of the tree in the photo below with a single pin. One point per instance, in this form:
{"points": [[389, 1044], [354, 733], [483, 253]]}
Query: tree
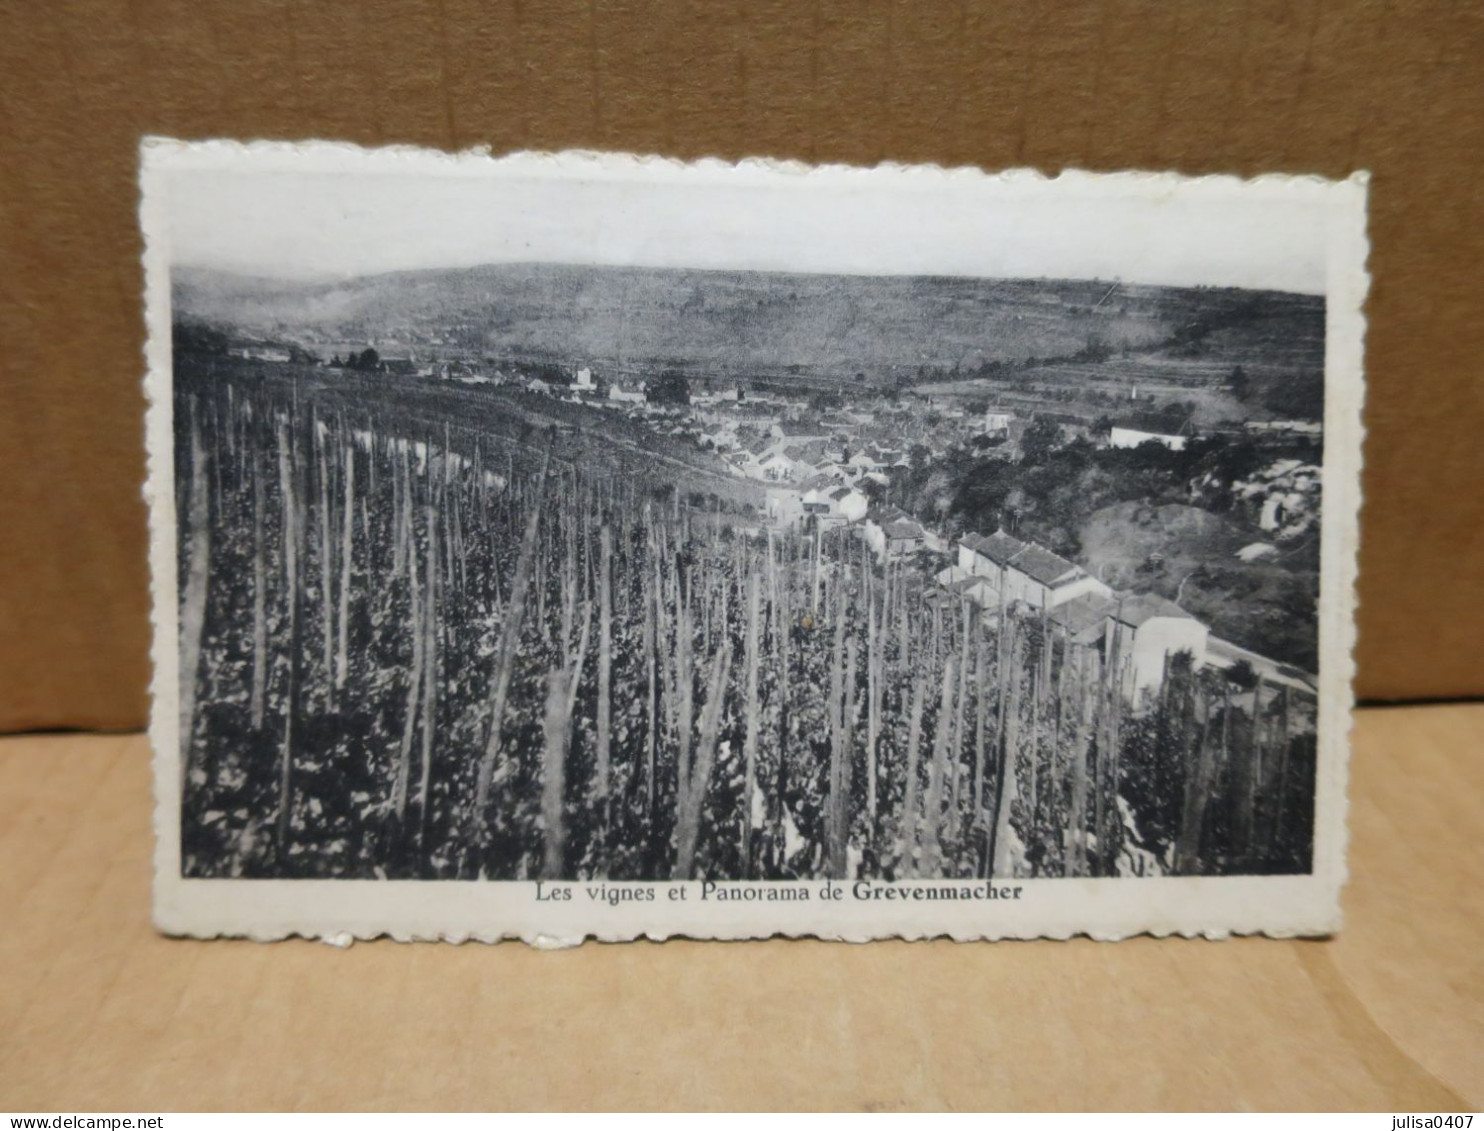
{"points": [[367, 361], [1097, 349], [823, 402], [196, 337], [981, 494], [1240, 385], [670, 387], [1242, 676], [1040, 440]]}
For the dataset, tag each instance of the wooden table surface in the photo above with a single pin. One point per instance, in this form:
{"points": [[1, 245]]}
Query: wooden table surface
{"points": [[100, 1013]]}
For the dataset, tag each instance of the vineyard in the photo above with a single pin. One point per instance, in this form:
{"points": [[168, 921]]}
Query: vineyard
{"points": [[415, 644]]}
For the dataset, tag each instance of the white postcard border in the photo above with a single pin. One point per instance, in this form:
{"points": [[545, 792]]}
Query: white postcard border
{"points": [[453, 910]]}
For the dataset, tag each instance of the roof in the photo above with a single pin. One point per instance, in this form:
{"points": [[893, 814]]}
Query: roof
{"points": [[841, 493], [1042, 565], [964, 584], [1036, 562], [903, 528], [1083, 613], [998, 547], [1226, 653], [884, 514], [1140, 607]]}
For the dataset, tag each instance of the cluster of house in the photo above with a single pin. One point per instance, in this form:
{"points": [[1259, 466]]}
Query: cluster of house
{"points": [[799, 452], [1311, 428], [999, 570], [1286, 496], [259, 353], [812, 465], [776, 437], [1143, 629]]}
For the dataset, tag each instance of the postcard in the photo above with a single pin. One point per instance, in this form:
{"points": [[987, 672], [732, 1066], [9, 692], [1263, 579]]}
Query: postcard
{"points": [[586, 546]]}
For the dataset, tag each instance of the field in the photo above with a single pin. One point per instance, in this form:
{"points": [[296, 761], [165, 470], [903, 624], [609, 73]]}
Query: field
{"points": [[814, 331], [1094, 389], [427, 636]]}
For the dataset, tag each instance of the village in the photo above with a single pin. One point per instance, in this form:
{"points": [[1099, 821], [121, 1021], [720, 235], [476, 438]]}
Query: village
{"points": [[824, 464]]}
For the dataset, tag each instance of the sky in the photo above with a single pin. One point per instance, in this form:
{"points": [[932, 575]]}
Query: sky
{"points": [[343, 212]]}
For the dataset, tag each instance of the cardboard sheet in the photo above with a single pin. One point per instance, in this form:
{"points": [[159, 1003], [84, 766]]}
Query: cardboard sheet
{"points": [[1248, 88]]}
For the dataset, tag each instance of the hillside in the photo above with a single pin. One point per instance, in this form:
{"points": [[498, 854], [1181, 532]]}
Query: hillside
{"points": [[767, 323], [1268, 606]]}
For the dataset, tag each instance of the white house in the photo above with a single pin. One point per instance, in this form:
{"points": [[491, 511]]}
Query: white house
{"points": [[263, 353], [814, 495], [585, 378], [891, 534], [707, 397], [848, 504], [997, 421], [617, 392], [1138, 632], [1023, 571], [777, 467], [1142, 631], [1121, 437], [784, 506]]}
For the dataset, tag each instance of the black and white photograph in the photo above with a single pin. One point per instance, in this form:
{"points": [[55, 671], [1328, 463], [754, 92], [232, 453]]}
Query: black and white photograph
{"points": [[581, 546]]}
